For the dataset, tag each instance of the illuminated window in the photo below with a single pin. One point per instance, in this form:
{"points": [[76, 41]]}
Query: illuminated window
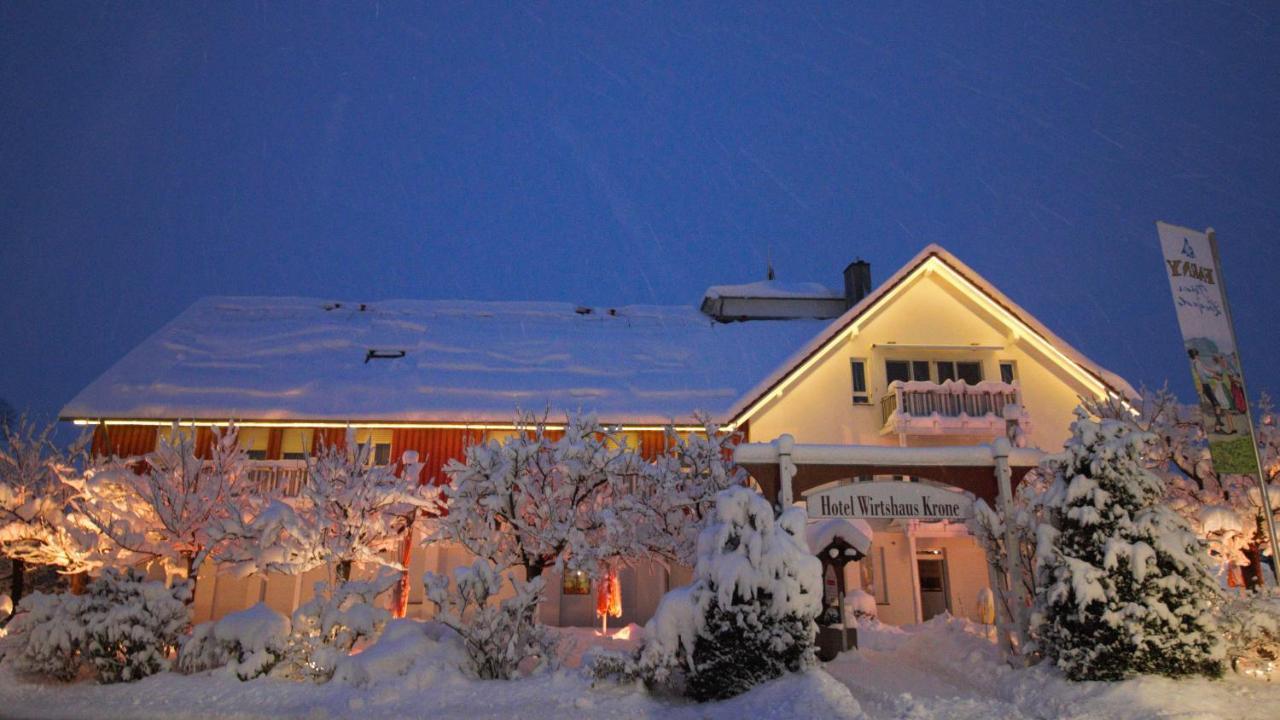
{"points": [[576, 582], [859, 369], [871, 569]]}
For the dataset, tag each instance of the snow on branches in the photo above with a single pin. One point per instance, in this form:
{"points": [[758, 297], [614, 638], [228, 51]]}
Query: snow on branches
{"points": [[1225, 510], [35, 525], [500, 635], [171, 507], [749, 615], [348, 511], [585, 499], [1122, 583]]}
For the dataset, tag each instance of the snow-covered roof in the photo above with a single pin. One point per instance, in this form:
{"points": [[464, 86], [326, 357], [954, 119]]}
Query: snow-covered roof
{"points": [[821, 533], [772, 289], [253, 358]]}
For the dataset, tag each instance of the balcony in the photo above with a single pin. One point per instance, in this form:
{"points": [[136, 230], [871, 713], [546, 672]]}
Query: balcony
{"points": [[951, 408], [281, 478]]}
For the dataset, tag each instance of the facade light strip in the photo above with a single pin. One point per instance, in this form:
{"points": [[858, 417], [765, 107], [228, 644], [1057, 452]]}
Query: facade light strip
{"points": [[369, 425]]}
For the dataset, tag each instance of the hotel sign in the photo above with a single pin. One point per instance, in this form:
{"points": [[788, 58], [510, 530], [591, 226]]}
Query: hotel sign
{"points": [[889, 500]]}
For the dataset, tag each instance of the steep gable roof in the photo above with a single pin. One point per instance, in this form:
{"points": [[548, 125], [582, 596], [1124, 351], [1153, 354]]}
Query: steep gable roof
{"points": [[932, 258]]}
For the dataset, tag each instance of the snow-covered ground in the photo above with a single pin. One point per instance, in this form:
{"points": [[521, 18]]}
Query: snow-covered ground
{"points": [[949, 670], [940, 670]]}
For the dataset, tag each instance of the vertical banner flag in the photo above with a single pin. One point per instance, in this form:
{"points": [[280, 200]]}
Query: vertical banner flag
{"points": [[1191, 262]]}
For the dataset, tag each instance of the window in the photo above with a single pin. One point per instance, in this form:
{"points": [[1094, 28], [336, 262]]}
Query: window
{"points": [[906, 370], [871, 570], [382, 454], [576, 582], [256, 454], [968, 372], [1008, 372], [295, 456], [859, 369]]}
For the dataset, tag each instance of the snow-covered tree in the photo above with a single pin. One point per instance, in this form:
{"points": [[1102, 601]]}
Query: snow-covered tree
{"points": [[535, 502], [172, 507], [348, 511], [750, 613], [326, 629], [677, 492], [1123, 585], [500, 635], [35, 525], [1226, 510]]}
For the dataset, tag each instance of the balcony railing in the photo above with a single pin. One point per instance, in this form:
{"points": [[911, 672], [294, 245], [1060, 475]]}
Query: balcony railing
{"points": [[277, 477], [953, 407]]}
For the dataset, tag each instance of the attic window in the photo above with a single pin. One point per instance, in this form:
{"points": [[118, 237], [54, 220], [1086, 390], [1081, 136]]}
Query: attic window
{"points": [[382, 355]]}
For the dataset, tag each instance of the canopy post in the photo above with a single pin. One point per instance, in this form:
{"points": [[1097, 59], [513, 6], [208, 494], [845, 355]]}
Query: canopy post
{"points": [[1000, 449], [786, 470]]}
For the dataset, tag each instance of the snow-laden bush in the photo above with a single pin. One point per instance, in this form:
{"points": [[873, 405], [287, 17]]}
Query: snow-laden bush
{"points": [[327, 628], [124, 627], [46, 636], [1122, 583], [749, 615], [248, 643], [501, 636], [131, 625], [1251, 633]]}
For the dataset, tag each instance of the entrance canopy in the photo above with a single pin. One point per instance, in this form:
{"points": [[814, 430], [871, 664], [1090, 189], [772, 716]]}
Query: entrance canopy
{"points": [[970, 467]]}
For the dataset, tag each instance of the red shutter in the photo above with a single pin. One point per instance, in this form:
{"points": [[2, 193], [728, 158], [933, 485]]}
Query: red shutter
{"points": [[275, 443], [435, 448], [123, 440], [328, 437], [652, 443]]}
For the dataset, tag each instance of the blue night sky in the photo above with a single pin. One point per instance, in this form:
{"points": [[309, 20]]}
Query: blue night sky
{"points": [[153, 153]]}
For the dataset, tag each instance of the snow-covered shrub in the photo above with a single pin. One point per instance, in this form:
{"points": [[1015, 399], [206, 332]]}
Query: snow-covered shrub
{"points": [[501, 637], [1122, 583], [859, 605], [46, 636], [429, 652], [329, 626], [749, 614], [248, 643], [131, 625], [1251, 633]]}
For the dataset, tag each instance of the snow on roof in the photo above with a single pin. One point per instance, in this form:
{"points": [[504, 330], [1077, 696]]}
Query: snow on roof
{"points": [[252, 358], [771, 289], [822, 533]]}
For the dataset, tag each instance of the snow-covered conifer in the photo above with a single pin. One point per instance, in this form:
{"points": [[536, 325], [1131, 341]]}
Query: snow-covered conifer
{"points": [[749, 615], [131, 625], [1122, 583]]}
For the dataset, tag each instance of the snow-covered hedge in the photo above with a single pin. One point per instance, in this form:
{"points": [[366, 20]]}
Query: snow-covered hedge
{"points": [[248, 643], [124, 628], [749, 615], [1122, 583], [501, 636], [329, 626]]}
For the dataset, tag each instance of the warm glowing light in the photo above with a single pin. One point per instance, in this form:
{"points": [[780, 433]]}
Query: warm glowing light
{"points": [[367, 425], [933, 264]]}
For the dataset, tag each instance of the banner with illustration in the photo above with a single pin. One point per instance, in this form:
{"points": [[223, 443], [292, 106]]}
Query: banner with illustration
{"points": [[1191, 262]]}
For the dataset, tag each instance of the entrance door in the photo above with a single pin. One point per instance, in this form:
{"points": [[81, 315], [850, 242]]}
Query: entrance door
{"points": [[933, 586]]}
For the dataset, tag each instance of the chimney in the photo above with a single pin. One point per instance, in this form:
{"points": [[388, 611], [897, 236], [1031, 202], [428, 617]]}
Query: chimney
{"points": [[857, 282]]}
